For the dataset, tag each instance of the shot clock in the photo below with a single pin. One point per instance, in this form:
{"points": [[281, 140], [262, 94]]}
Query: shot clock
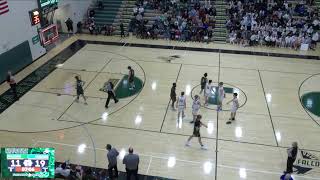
{"points": [[27, 162]]}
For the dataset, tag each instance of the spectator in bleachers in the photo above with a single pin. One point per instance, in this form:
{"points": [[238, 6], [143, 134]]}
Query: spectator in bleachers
{"points": [[88, 175], [62, 170], [75, 173]]}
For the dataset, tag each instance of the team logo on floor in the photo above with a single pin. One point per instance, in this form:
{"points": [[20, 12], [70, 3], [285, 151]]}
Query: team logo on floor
{"points": [[169, 58], [213, 98], [306, 162]]}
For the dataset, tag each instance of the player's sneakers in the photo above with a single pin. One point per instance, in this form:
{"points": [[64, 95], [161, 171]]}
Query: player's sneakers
{"points": [[203, 147], [187, 144], [85, 103]]}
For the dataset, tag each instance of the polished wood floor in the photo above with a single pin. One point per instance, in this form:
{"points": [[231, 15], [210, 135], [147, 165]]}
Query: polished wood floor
{"points": [[253, 147]]}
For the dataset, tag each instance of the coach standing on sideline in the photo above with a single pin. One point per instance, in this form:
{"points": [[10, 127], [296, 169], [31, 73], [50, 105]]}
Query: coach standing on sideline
{"points": [[112, 159], [132, 162]]}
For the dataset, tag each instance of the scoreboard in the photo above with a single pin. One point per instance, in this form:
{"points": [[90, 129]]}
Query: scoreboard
{"points": [[44, 3], [27, 162]]}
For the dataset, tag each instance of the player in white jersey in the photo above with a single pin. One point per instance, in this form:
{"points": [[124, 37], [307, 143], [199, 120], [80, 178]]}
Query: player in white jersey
{"points": [[234, 107], [207, 92], [181, 105], [195, 107], [221, 96]]}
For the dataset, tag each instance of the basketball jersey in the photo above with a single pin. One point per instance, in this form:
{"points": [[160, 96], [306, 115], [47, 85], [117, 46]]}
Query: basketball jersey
{"points": [[235, 103], [197, 125], [79, 84], [221, 91], [181, 100], [131, 73], [208, 88], [196, 105]]}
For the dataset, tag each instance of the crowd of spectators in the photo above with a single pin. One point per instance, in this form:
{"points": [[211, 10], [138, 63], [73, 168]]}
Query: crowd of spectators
{"points": [[76, 172], [276, 24], [178, 20]]}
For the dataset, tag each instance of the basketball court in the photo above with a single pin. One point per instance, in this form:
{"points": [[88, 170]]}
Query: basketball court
{"points": [[275, 93]]}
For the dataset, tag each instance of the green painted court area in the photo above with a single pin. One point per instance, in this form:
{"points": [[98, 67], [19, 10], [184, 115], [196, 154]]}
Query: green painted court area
{"points": [[311, 101], [122, 89], [213, 99]]}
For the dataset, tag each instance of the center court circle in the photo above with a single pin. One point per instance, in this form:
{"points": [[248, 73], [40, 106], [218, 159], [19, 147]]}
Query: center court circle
{"points": [[229, 90]]}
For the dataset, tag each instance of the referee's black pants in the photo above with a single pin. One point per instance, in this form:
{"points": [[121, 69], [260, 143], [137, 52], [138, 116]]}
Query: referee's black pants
{"points": [[111, 95], [290, 162]]}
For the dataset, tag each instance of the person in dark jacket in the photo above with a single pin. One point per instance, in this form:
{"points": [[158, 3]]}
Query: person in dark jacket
{"points": [[292, 155], [79, 27], [69, 24], [13, 85], [173, 95]]}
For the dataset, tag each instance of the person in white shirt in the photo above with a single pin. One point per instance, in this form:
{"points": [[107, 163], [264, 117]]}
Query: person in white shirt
{"points": [[207, 92], [221, 96], [63, 170], [314, 40], [181, 105], [141, 10], [195, 107], [287, 40], [234, 107]]}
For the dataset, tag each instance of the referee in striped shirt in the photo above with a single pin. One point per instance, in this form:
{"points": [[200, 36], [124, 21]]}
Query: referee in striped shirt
{"points": [[109, 87]]}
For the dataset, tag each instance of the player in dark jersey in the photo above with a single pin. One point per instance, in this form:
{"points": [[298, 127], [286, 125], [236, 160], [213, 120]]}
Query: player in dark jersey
{"points": [[173, 95], [196, 131], [131, 78], [79, 88], [203, 82]]}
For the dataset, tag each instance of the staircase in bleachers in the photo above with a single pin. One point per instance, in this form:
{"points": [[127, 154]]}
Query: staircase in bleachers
{"points": [[125, 14], [317, 3], [107, 15], [220, 31]]}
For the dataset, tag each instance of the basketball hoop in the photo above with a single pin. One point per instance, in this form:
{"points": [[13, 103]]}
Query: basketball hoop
{"points": [[49, 34]]}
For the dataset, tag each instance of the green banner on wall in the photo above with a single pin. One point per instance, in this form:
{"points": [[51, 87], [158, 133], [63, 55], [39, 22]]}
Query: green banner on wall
{"points": [[35, 39]]}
